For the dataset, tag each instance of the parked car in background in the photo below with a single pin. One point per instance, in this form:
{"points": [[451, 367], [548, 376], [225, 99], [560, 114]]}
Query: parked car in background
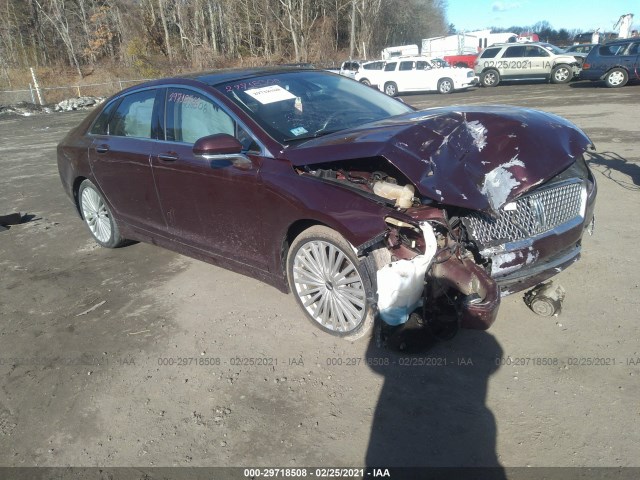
{"points": [[370, 72], [422, 74], [349, 68], [615, 63], [353, 201], [580, 48], [526, 61]]}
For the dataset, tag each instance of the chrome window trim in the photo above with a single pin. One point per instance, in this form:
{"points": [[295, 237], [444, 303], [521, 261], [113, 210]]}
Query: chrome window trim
{"points": [[264, 152]]}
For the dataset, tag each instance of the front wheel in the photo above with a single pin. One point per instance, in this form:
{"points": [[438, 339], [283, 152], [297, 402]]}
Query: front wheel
{"points": [[445, 85], [391, 89], [329, 283], [366, 82], [97, 216], [490, 78], [561, 74], [617, 77]]}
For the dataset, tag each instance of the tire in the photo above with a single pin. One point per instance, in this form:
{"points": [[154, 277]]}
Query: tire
{"points": [[616, 78], [561, 74], [366, 82], [490, 78], [97, 216], [445, 85], [330, 283], [391, 89]]}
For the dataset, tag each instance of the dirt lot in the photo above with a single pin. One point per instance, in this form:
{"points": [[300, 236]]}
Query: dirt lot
{"points": [[162, 371]]}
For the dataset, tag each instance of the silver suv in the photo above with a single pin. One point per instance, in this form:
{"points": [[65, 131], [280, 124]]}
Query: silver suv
{"points": [[526, 61]]}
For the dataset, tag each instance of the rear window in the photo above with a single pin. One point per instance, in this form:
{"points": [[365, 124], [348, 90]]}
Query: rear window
{"points": [[611, 50], [373, 66], [133, 116], [490, 53]]}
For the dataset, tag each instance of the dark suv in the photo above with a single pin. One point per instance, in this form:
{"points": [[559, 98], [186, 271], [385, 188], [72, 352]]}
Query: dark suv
{"points": [[615, 62]]}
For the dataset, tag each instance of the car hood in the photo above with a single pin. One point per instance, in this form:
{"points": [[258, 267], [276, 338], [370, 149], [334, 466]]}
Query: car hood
{"points": [[472, 157]]}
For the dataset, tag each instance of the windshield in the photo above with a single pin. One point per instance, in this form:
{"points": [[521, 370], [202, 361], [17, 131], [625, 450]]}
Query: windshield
{"points": [[293, 106], [552, 48]]}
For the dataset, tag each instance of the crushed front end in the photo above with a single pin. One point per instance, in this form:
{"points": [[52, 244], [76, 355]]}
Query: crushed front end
{"points": [[482, 202]]}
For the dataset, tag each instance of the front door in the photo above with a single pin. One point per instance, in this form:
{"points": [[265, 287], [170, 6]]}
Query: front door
{"points": [[210, 205]]}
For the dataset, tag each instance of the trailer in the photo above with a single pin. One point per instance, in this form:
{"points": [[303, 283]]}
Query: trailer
{"points": [[400, 51]]}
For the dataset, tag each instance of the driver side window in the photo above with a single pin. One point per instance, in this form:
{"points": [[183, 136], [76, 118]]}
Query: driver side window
{"points": [[191, 116]]}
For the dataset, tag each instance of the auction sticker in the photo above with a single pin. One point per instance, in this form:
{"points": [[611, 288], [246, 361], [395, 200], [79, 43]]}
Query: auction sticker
{"points": [[270, 94]]}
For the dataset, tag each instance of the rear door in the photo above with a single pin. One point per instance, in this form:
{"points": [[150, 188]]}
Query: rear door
{"points": [[120, 158], [212, 206]]}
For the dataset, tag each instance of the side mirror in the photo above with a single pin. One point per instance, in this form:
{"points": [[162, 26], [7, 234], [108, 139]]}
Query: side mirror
{"points": [[218, 144], [221, 150]]}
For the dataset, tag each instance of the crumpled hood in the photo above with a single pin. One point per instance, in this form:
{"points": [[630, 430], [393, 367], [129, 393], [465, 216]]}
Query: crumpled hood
{"points": [[477, 157]]}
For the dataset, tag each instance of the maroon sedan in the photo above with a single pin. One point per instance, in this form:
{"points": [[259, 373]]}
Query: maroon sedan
{"points": [[355, 202]]}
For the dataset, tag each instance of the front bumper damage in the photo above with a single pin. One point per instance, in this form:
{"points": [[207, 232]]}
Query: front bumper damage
{"points": [[444, 284], [469, 262]]}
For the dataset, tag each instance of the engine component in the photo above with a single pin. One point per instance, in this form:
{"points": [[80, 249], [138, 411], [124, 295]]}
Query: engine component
{"points": [[545, 299], [402, 195]]}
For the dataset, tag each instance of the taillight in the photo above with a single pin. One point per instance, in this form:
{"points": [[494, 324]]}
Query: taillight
{"points": [[586, 66]]}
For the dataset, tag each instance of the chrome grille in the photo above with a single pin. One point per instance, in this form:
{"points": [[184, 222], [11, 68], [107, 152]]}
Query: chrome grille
{"points": [[535, 213]]}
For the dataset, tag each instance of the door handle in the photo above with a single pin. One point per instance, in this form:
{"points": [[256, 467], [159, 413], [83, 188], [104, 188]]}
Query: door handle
{"points": [[102, 148], [168, 157]]}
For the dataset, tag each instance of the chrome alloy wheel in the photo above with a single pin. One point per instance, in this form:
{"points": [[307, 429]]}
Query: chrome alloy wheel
{"points": [[95, 213], [329, 286]]}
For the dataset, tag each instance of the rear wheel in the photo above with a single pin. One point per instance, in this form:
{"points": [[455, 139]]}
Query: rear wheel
{"points": [[391, 89], [97, 216], [329, 283], [490, 78], [366, 82], [445, 85], [618, 77], [561, 74]]}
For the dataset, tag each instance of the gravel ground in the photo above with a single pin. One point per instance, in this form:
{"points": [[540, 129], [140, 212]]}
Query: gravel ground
{"points": [[160, 372]]}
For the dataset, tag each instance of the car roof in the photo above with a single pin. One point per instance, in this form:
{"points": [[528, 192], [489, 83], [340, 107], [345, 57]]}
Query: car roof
{"points": [[621, 41], [518, 44], [217, 77]]}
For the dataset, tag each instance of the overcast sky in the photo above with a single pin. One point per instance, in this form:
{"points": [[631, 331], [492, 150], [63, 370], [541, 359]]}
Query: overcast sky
{"points": [[586, 15]]}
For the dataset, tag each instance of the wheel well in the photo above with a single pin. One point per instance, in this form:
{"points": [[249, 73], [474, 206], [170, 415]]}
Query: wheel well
{"points": [[75, 189], [295, 229]]}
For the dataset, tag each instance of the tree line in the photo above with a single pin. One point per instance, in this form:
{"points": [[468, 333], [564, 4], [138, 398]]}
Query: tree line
{"points": [[203, 33]]}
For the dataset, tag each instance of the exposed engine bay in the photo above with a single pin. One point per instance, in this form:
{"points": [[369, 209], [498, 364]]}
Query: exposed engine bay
{"points": [[451, 265], [422, 263]]}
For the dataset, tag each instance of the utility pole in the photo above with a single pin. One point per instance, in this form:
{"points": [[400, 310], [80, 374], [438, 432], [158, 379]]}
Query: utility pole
{"points": [[352, 43]]}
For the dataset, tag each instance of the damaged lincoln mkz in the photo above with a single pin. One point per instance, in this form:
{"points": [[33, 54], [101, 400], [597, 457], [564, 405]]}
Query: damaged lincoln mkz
{"points": [[358, 204]]}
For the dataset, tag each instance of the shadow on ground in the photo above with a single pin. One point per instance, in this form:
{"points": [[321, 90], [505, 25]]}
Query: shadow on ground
{"points": [[607, 162], [431, 411]]}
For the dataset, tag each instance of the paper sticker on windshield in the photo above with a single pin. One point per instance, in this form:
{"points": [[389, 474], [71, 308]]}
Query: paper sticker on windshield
{"points": [[270, 94], [298, 131]]}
